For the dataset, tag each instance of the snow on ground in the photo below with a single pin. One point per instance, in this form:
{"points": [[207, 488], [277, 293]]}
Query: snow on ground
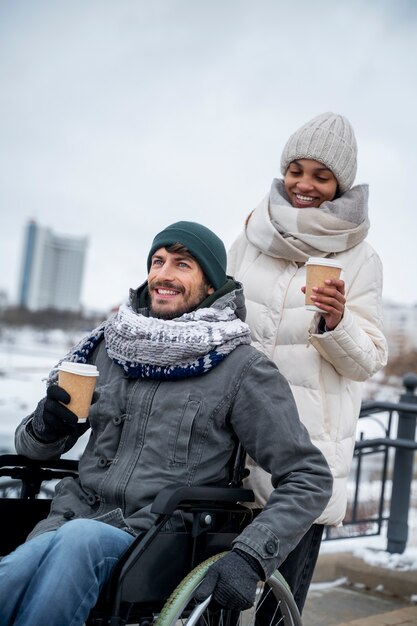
{"points": [[373, 551], [401, 562], [26, 358]]}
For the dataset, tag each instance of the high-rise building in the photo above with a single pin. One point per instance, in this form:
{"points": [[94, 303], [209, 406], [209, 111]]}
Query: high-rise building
{"points": [[400, 327], [52, 270]]}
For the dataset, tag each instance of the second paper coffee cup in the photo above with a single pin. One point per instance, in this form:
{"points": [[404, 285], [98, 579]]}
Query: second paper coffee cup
{"points": [[319, 269], [79, 380]]}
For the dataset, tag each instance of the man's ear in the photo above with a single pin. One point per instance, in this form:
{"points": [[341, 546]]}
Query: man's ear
{"points": [[210, 290]]}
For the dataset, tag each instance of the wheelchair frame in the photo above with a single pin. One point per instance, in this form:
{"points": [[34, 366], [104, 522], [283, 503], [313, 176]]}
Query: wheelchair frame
{"points": [[138, 589]]}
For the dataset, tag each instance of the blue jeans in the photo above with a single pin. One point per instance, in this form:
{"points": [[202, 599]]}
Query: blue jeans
{"points": [[55, 578]]}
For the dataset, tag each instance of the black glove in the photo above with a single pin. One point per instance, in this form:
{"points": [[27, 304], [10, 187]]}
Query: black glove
{"points": [[232, 581], [51, 419]]}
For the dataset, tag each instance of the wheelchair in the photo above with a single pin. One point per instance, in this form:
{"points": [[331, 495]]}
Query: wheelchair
{"points": [[155, 579]]}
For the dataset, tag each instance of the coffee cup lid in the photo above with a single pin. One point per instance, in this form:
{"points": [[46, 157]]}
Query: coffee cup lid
{"points": [[82, 369], [318, 260]]}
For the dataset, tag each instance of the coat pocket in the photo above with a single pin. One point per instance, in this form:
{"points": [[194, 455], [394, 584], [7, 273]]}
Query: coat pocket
{"points": [[184, 433]]}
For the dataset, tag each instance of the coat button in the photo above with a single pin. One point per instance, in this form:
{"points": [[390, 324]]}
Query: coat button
{"points": [[270, 546], [69, 514], [92, 499], [102, 462], [117, 420]]}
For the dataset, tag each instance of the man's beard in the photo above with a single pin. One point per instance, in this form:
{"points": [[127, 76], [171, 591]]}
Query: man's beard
{"points": [[187, 305]]}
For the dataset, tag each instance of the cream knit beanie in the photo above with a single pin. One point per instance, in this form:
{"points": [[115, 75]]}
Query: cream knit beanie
{"points": [[328, 138]]}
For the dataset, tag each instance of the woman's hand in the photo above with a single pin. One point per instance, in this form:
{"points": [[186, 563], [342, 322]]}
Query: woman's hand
{"points": [[331, 300]]}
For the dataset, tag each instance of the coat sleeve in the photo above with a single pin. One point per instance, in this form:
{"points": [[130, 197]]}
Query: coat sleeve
{"points": [[27, 444], [357, 348], [265, 419]]}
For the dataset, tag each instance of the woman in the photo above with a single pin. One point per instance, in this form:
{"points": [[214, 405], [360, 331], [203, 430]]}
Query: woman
{"points": [[315, 211]]}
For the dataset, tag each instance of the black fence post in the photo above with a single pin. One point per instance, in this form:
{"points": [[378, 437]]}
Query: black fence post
{"points": [[397, 532]]}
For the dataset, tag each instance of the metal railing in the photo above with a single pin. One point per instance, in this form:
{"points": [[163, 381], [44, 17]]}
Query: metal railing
{"points": [[403, 446]]}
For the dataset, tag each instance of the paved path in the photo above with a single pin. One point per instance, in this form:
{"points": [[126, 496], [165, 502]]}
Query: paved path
{"points": [[402, 617], [360, 595], [340, 606]]}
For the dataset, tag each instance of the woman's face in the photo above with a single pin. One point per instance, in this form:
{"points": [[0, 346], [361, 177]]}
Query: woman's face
{"points": [[308, 183]]}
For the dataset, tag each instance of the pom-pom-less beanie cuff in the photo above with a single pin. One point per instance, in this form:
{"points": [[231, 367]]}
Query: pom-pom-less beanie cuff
{"points": [[204, 245]]}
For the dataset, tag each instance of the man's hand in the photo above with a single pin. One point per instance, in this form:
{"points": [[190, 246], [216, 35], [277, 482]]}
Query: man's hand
{"points": [[231, 581], [51, 419], [331, 300]]}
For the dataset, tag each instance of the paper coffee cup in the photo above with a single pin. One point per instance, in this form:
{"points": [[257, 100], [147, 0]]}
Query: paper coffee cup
{"points": [[318, 270], [79, 380]]}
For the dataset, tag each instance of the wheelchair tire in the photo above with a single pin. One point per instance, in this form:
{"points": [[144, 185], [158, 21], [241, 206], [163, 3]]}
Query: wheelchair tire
{"points": [[181, 609]]}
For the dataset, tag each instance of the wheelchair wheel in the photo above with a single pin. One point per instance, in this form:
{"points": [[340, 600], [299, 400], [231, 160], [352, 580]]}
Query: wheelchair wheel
{"points": [[181, 608]]}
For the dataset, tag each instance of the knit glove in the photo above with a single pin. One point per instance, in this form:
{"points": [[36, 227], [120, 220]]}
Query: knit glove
{"points": [[51, 419], [231, 581]]}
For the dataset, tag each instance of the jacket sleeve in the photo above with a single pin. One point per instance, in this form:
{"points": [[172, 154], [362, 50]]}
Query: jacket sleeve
{"points": [[265, 419], [27, 444], [357, 348]]}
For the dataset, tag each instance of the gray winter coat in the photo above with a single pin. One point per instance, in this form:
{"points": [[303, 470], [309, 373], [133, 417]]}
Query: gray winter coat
{"points": [[146, 434]]}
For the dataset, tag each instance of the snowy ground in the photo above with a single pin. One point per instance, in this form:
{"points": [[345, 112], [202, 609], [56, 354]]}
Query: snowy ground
{"points": [[26, 357], [373, 549]]}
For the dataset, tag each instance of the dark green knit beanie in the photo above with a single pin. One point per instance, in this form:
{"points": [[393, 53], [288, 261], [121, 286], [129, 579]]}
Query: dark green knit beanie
{"points": [[206, 247]]}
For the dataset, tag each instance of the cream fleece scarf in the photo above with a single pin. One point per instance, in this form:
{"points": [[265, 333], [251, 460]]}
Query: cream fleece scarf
{"points": [[279, 230]]}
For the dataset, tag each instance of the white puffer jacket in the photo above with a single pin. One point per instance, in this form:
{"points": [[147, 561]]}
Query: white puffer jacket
{"points": [[325, 371]]}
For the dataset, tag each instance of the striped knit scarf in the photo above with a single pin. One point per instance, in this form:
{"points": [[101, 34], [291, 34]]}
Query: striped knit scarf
{"points": [[148, 347]]}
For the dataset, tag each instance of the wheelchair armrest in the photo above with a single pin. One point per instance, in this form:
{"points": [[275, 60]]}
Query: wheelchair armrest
{"points": [[171, 496], [33, 472], [18, 460]]}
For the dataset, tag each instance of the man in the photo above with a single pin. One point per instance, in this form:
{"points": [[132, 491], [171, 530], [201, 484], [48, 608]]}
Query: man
{"points": [[178, 380]]}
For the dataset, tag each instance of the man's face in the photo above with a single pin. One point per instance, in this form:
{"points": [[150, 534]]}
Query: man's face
{"points": [[176, 284]]}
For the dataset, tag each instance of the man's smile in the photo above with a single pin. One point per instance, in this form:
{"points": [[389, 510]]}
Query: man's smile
{"points": [[166, 291]]}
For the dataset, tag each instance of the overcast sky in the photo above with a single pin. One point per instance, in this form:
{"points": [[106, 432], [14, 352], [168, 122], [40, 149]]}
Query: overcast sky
{"points": [[118, 117]]}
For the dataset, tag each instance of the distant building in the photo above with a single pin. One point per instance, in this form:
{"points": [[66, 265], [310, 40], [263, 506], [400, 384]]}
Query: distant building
{"points": [[52, 270], [3, 299], [400, 327]]}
